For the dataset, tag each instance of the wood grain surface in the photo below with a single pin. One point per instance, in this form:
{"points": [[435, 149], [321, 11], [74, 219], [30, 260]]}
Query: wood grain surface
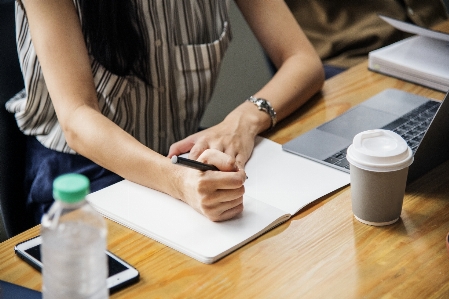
{"points": [[322, 252]]}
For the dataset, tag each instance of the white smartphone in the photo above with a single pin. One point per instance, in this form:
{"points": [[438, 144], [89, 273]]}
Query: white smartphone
{"points": [[121, 274]]}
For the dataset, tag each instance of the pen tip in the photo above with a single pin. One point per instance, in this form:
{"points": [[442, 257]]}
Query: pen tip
{"points": [[174, 159]]}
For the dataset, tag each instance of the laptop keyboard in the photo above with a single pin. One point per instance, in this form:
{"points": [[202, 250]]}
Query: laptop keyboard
{"points": [[411, 127]]}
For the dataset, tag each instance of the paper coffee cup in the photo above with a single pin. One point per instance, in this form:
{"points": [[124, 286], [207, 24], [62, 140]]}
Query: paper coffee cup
{"points": [[379, 161]]}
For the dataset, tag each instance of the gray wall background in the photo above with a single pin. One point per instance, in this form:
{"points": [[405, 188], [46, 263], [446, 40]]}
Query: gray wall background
{"points": [[244, 71]]}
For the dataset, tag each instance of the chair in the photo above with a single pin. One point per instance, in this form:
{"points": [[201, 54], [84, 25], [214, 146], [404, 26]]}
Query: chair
{"points": [[13, 219]]}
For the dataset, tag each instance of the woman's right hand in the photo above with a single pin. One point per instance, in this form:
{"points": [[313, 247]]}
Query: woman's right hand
{"points": [[218, 195]]}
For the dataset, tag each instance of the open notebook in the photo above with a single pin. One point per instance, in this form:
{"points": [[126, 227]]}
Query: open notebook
{"points": [[279, 184]]}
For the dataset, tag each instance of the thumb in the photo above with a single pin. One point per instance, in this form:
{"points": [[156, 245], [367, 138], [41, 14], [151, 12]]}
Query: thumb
{"points": [[180, 147]]}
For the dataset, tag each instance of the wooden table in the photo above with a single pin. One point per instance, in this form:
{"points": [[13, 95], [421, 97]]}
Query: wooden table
{"points": [[322, 252]]}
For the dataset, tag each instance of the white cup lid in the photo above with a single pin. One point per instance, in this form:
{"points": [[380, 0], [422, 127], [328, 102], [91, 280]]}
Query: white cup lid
{"points": [[380, 151]]}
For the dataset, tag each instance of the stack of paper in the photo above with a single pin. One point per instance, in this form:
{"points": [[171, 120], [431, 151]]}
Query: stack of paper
{"points": [[421, 59]]}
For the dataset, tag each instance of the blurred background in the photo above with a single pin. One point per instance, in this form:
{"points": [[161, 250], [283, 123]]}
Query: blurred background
{"points": [[244, 71]]}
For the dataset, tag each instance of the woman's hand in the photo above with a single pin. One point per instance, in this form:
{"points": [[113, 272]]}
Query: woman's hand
{"points": [[234, 136], [218, 195]]}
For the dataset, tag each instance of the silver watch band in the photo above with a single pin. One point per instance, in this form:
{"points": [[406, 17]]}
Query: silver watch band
{"points": [[264, 105]]}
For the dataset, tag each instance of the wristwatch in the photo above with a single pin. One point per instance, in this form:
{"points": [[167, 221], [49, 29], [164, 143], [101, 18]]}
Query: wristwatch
{"points": [[265, 106]]}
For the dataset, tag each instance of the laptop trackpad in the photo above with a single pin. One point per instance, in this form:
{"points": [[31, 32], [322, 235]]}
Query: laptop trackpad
{"points": [[356, 120], [316, 145]]}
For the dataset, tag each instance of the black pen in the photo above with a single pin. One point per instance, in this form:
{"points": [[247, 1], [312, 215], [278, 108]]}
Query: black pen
{"points": [[193, 164]]}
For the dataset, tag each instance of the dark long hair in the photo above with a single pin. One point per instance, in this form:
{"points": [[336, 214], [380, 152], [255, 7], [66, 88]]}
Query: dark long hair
{"points": [[114, 31]]}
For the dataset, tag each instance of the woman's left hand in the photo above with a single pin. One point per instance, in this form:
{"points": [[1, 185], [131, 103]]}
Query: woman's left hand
{"points": [[231, 137]]}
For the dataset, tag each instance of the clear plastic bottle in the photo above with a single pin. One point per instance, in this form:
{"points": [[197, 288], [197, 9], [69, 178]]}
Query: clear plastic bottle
{"points": [[73, 243]]}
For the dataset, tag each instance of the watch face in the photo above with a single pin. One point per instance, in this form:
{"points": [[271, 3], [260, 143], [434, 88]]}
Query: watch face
{"points": [[264, 104]]}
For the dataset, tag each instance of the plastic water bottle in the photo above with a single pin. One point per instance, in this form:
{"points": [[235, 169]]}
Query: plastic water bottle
{"points": [[73, 243]]}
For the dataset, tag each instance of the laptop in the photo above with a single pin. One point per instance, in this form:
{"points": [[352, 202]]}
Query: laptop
{"points": [[422, 122]]}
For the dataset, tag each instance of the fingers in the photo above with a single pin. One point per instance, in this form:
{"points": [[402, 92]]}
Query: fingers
{"points": [[226, 199], [238, 146], [231, 213], [202, 145], [226, 214], [221, 160], [180, 147], [218, 195], [222, 210], [193, 145], [197, 150], [240, 161]]}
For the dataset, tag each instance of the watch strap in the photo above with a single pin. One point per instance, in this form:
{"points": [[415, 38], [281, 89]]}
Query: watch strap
{"points": [[265, 106]]}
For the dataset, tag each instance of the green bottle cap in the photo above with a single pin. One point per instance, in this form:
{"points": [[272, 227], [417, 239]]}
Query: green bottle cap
{"points": [[71, 188]]}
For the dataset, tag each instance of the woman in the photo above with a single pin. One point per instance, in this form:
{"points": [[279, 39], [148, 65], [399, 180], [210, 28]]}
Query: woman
{"points": [[124, 84]]}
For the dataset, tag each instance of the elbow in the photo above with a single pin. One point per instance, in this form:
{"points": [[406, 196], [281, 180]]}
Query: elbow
{"points": [[71, 136], [308, 68], [73, 127], [317, 73], [320, 78]]}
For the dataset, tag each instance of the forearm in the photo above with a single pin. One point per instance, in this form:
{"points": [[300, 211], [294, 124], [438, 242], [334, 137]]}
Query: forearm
{"points": [[63, 56], [216, 194], [295, 83], [96, 137], [300, 72]]}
